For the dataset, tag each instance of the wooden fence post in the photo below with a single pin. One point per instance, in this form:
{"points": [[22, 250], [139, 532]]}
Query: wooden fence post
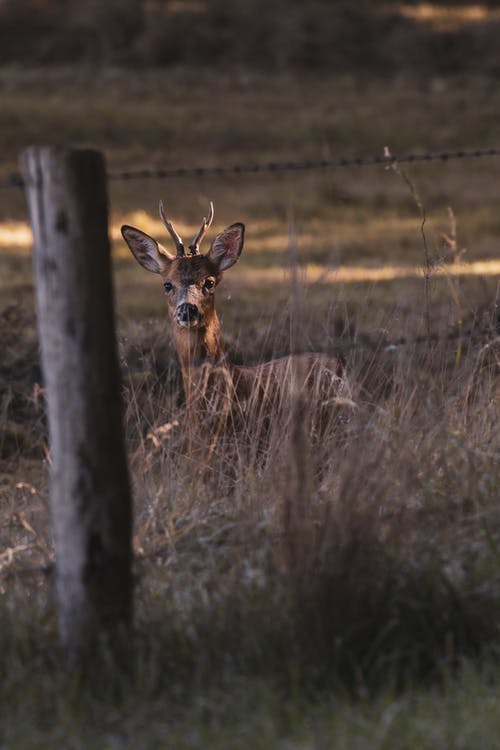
{"points": [[90, 495]]}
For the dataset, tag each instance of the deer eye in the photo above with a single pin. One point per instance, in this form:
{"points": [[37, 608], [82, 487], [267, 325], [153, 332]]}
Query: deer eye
{"points": [[209, 283], [168, 286]]}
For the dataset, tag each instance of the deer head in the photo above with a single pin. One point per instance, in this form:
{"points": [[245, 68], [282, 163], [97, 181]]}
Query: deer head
{"points": [[189, 279]]}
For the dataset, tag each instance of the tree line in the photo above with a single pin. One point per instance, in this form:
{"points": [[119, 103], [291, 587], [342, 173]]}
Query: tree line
{"points": [[336, 35]]}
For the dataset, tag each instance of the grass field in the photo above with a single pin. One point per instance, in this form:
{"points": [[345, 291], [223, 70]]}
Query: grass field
{"points": [[307, 592]]}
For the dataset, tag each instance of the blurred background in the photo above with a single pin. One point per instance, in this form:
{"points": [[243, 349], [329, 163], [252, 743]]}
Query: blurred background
{"points": [[385, 38], [186, 83]]}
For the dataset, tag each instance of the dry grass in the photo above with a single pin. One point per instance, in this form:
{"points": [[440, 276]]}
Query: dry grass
{"points": [[358, 552], [332, 555]]}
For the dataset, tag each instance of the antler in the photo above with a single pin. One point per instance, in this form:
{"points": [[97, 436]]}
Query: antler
{"points": [[176, 238], [195, 245]]}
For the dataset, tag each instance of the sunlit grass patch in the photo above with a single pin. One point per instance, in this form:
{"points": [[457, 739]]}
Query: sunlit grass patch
{"points": [[451, 17]]}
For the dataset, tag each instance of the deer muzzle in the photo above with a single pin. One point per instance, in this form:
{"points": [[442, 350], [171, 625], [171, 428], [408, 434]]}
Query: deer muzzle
{"points": [[187, 315]]}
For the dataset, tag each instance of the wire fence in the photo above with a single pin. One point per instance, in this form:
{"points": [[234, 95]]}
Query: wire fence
{"points": [[15, 180]]}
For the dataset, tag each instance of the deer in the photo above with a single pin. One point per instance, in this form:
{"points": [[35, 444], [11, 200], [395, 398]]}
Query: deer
{"points": [[190, 280]]}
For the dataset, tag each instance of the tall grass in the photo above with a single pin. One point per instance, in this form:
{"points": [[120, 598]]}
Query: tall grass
{"points": [[365, 539], [337, 543]]}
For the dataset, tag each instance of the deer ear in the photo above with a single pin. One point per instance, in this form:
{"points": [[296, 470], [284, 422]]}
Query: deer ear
{"points": [[227, 246], [148, 252]]}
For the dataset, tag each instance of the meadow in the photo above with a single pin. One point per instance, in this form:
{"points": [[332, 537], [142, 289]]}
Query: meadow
{"points": [[332, 585]]}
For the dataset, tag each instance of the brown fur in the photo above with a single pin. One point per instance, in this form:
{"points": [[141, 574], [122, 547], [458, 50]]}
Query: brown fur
{"points": [[210, 381]]}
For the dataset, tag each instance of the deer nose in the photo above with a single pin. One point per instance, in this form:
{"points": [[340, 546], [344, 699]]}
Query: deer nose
{"points": [[187, 314]]}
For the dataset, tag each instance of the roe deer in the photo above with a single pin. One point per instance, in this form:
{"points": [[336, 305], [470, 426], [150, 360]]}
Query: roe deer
{"points": [[189, 280]]}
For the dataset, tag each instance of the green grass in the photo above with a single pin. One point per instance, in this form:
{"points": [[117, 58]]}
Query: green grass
{"points": [[180, 117], [462, 713]]}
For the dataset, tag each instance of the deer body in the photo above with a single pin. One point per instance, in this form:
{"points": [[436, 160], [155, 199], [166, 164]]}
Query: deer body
{"points": [[189, 281]]}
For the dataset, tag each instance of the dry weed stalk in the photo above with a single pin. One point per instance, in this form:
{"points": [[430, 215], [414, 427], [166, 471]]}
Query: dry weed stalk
{"points": [[428, 261], [454, 254]]}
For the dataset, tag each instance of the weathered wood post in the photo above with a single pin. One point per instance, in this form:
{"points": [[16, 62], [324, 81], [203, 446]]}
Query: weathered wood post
{"points": [[90, 496]]}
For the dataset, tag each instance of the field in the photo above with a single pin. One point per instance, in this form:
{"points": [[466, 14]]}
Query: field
{"points": [[319, 586]]}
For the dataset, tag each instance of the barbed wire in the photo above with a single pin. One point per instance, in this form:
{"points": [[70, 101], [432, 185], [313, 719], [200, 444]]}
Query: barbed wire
{"points": [[15, 180]]}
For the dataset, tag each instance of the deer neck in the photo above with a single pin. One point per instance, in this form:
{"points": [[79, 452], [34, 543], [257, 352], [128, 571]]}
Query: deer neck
{"points": [[195, 348]]}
